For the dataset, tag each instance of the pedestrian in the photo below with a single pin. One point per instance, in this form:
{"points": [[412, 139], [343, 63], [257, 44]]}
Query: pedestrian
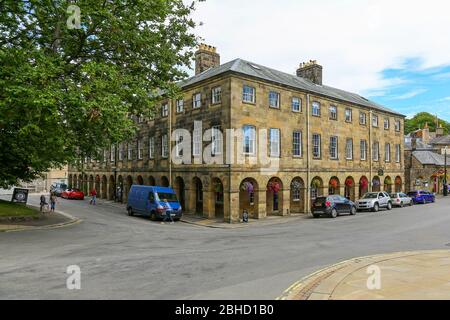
{"points": [[245, 216], [53, 201], [43, 202], [94, 197], [168, 217]]}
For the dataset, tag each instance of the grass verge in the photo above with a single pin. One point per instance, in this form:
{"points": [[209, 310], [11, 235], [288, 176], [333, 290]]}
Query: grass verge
{"points": [[8, 209]]}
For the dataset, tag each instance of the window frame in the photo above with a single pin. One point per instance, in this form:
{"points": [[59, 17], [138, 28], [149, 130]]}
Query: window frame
{"points": [[247, 94], [363, 155], [298, 144], [252, 143], [278, 99], [351, 115], [299, 105], [277, 154], [197, 103], [318, 108], [333, 115], [319, 146], [180, 106], [349, 154], [216, 95], [334, 146]]}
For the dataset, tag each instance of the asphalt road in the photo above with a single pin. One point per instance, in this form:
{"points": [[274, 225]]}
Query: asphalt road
{"points": [[132, 258]]}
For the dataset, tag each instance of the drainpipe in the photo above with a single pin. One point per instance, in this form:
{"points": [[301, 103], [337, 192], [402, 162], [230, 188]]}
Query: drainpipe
{"points": [[308, 160], [370, 151]]}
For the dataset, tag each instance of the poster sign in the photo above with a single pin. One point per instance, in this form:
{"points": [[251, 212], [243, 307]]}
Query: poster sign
{"points": [[20, 196]]}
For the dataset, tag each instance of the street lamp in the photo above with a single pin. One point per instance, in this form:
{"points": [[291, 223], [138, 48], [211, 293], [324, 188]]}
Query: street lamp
{"points": [[445, 173]]}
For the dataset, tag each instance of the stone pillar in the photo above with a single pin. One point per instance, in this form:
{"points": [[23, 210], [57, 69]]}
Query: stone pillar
{"points": [[208, 204], [286, 202], [233, 208], [190, 200], [262, 207]]}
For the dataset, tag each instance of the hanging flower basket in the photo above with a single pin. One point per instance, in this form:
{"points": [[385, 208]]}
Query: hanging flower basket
{"points": [[218, 188], [364, 184], [247, 186], [349, 183], [376, 183], [388, 182], [274, 187], [316, 184], [334, 183], [398, 181], [296, 185]]}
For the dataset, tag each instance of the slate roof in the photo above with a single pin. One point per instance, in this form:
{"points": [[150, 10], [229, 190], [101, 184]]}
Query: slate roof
{"points": [[430, 158], [444, 140], [419, 145], [251, 69]]}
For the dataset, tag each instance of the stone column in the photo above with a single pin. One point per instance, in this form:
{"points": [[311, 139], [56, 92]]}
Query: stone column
{"points": [[286, 202], [262, 209]]}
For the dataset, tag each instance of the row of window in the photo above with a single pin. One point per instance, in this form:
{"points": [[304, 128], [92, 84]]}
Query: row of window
{"points": [[249, 146]]}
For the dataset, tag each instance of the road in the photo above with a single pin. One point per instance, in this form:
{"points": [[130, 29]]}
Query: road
{"points": [[132, 258]]}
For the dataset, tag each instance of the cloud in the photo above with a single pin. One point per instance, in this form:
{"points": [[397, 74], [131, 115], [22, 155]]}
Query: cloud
{"points": [[354, 40], [409, 95]]}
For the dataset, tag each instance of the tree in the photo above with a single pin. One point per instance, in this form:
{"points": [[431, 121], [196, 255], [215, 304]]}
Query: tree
{"points": [[421, 119], [69, 82]]}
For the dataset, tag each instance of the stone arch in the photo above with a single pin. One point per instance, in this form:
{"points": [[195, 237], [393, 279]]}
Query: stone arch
{"points": [[121, 189], [363, 186], [217, 191], [388, 183], [197, 188], [74, 184], [70, 180], [180, 189], [376, 184], [316, 188], [97, 184], [298, 192], [165, 182], [334, 186], [128, 185], [398, 184], [151, 181], [248, 198], [80, 183], [349, 189], [104, 190], [140, 180], [274, 197], [112, 188]]}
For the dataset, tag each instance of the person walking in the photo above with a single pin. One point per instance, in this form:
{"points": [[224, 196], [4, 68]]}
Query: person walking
{"points": [[43, 202], [94, 197], [53, 201]]}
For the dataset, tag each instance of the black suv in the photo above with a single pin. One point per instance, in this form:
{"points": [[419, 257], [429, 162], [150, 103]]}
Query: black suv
{"points": [[332, 206]]}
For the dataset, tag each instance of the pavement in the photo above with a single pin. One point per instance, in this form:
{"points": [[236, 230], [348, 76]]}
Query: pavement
{"points": [[421, 275], [124, 257]]}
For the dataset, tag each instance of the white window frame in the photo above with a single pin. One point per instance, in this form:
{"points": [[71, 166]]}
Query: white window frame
{"points": [[274, 97], [349, 149], [113, 153], [129, 151], [316, 109], [121, 152], [297, 146], [140, 148], [275, 142], [387, 152], [348, 115], [197, 142], [375, 122], [217, 143], [196, 101], [363, 149], [164, 146], [248, 94], [165, 110], [334, 147], [180, 105], [362, 118], [397, 126], [296, 104], [317, 144], [376, 151], [249, 131], [216, 95], [178, 146], [398, 152], [151, 147], [333, 112], [387, 124]]}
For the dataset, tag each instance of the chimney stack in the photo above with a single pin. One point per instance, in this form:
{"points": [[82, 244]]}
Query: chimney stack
{"points": [[439, 131], [206, 58], [311, 70]]}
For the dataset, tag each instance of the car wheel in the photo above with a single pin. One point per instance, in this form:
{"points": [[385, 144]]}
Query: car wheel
{"points": [[402, 205], [153, 216], [376, 207], [424, 201], [389, 206], [353, 211], [130, 212], [334, 213], [316, 216]]}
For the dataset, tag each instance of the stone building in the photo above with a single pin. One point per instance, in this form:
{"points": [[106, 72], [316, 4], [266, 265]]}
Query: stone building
{"points": [[321, 141], [425, 160]]}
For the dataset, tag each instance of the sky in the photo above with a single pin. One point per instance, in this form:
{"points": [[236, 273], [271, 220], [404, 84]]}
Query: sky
{"points": [[396, 52]]}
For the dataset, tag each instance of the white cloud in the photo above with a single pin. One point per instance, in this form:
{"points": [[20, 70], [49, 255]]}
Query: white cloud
{"points": [[409, 95], [355, 40]]}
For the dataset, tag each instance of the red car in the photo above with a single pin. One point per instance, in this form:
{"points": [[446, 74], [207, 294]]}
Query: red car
{"points": [[74, 194]]}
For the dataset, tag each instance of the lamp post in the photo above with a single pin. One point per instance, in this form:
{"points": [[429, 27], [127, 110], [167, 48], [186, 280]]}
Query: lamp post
{"points": [[445, 173]]}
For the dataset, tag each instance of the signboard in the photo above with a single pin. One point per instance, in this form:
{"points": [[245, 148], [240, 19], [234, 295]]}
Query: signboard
{"points": [[20, 196]]}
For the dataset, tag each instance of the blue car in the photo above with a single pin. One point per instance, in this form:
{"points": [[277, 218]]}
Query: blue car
{"points": [[154, 202], [422, 197]]}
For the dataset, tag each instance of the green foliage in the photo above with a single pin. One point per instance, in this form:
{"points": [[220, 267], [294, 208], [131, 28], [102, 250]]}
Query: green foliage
{"points": [[8, 209], [66, 93], [421, 119]]}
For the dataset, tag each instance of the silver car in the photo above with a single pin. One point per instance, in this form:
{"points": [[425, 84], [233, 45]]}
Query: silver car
{"points": [[374, 201], [400, 199]]}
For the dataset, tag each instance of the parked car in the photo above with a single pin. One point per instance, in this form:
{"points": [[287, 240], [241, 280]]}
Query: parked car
{"points": [[400, 199], [153, 202], [73, 194], [332, 206], [421, 196], [58, 188], [374, 201]]}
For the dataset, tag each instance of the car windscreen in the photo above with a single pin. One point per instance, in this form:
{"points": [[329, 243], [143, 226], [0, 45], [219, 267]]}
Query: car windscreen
{"points": [[393, 195], [321, 200], [371, 196], [167, 197]]}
